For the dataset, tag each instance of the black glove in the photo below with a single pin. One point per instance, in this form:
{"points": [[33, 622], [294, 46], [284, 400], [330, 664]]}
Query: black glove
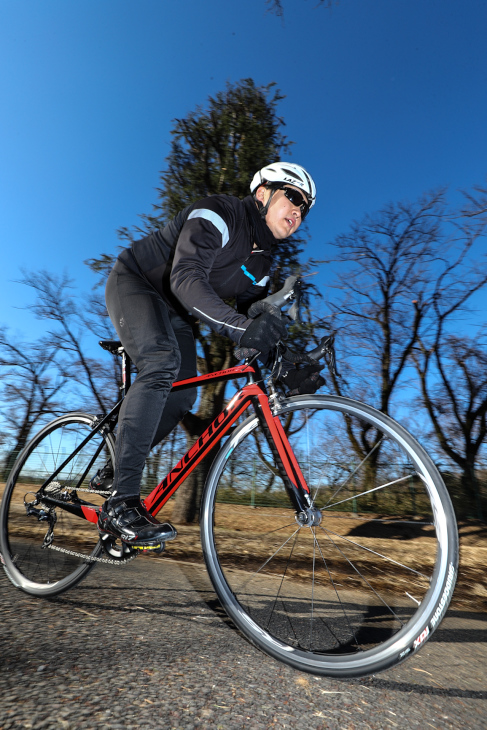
{"points": [[300, 380], [263, 333], [306, 380]]}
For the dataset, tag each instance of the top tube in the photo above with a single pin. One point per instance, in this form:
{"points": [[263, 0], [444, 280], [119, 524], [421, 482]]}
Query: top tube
{"points": [[115, 346], [227, 374]]}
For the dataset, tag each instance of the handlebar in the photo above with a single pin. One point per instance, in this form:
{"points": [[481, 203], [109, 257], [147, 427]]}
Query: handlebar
{"points": [[292, 291], [325, 343]]}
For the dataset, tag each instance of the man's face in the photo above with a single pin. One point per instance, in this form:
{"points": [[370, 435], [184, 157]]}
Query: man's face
{"points": [[283, 218]]}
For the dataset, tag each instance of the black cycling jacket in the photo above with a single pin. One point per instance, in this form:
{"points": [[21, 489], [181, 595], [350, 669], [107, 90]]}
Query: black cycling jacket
{"points": [[206, 254]]}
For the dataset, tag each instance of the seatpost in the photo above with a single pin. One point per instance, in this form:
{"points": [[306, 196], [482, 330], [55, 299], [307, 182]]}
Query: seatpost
{"points": [[126, 373]]}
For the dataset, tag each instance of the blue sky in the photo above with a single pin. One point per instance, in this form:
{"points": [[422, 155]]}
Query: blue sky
{"points": [[385, 99]]}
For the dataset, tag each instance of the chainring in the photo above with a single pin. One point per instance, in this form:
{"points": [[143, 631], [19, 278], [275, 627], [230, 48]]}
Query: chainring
{"points": [[116, 549]]}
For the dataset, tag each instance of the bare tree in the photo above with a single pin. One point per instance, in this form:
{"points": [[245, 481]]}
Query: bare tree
{"points": [[401, 266], [96, 381], [452, 364], [30, 386], [453, 376], [475, 202], [389, 259]]}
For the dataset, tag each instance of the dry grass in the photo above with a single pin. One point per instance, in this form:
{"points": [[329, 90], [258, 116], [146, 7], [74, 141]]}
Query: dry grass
{"points": [[471, 590], [243, 544]]}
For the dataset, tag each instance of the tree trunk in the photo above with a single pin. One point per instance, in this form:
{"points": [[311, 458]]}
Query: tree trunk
{"points": [[188, 497], [368, 480], [15, 451], [9, 462], [470, 488]]}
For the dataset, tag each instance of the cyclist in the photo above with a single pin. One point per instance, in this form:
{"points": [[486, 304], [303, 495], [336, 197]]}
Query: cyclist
{"points": [[217, 248]]}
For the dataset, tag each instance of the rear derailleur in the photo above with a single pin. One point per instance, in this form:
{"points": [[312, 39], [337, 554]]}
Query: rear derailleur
{"points": [[45, 512]]}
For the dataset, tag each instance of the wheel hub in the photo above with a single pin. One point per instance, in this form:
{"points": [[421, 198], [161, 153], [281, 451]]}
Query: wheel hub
{"points": [[311, 517]]}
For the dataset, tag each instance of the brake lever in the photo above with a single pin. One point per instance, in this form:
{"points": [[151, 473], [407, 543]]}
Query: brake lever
{"points": [[295, 311], [280, 298], [326, 349], [290, 290]]}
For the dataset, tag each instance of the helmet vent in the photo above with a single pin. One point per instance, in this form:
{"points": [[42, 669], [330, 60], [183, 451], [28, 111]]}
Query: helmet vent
{"points": [[293, 173]]}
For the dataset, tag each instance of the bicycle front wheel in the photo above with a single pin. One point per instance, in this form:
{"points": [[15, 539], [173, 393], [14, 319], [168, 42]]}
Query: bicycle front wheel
{"points": [[365, 588], [32, 560]]}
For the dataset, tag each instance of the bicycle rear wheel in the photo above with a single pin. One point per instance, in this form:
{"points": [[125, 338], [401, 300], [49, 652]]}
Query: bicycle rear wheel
{"points": [[364, 589], [29, 561]]}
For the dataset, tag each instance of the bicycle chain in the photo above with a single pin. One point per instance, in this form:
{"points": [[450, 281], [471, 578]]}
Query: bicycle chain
{"points": [[91, 558], [92, 491]]}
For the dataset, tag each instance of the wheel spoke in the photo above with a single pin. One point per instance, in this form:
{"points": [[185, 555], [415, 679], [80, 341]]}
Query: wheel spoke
{"points": [[256, 572], [341, 592], [335, 588], [368, 491], [360, 574], [355, 471], [39, 570], [281, 582], [375, 552], [312, 593]]}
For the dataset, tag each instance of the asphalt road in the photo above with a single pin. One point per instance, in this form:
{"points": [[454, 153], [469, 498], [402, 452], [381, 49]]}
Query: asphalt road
{"points": [[146, 646]]}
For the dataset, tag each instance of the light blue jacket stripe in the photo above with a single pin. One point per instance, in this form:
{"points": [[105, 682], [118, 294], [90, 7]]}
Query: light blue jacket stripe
{"points": [[262, 282], [247, 273], [214, 218]]}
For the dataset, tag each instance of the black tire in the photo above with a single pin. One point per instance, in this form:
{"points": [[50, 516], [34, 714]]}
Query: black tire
{"points": [[365, 589], [43, 571]]}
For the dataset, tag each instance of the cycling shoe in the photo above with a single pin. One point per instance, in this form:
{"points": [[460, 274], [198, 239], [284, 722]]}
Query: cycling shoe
{"points": [[133, 524]]}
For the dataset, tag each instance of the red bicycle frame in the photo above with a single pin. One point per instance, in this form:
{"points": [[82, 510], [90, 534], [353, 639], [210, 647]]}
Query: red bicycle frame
{"points": [[253, 394]]}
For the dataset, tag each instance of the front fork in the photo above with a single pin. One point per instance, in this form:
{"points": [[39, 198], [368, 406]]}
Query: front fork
{"points": [[287, 464]]}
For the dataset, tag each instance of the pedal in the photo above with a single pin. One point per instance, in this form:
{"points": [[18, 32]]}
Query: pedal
{"points": [[154, 549]]}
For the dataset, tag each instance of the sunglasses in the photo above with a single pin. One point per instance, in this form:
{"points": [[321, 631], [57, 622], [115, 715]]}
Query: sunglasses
{"points": [[296, 199]]}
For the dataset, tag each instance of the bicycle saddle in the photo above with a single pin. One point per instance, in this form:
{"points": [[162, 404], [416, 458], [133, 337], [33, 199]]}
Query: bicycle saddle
{"points": [[110, 345]]}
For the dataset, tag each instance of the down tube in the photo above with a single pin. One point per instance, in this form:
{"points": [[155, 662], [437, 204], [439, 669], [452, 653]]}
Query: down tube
{"points": [[159, 496]]}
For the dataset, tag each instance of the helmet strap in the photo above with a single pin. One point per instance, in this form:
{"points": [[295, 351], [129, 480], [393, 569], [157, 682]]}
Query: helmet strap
{"points": [[264, 208]]}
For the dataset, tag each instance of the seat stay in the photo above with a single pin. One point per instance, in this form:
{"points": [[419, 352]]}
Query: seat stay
{"points": [[97, 427]]}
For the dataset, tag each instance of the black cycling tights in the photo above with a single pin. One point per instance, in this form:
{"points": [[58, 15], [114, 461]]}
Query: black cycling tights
{"points": [[162, 348]]}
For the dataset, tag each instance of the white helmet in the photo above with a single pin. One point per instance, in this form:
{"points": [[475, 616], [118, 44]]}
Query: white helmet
{"points": [[285, 172]]}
